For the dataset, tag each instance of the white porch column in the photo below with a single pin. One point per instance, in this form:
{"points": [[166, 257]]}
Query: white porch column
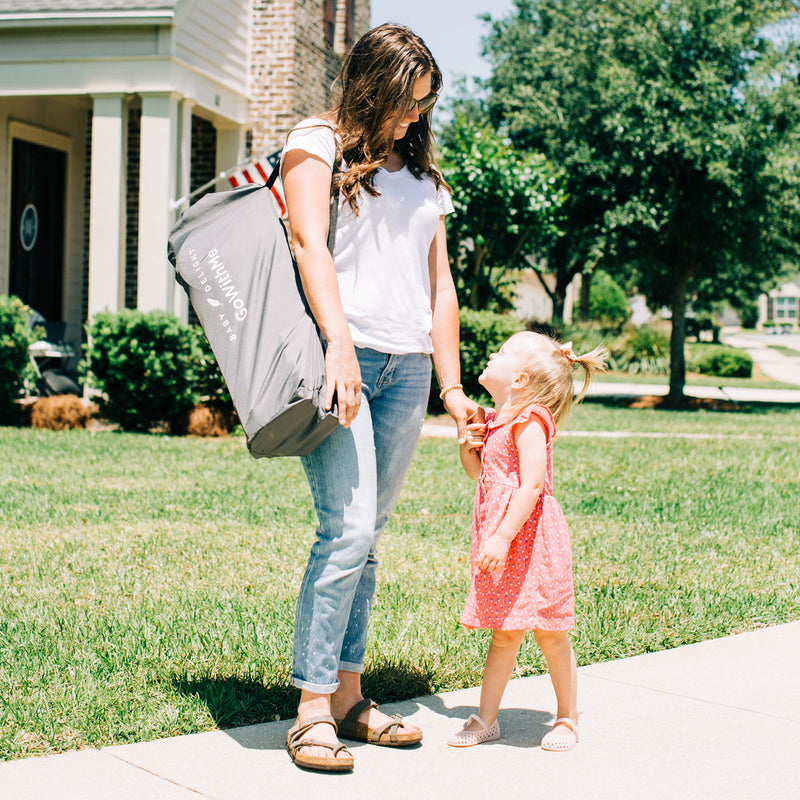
{"points": [[157, 189], [340, 28], [231, 150], [180, 305], [107, 204]]}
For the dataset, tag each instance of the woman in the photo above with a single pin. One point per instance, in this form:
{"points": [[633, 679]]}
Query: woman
{"points": [[385, 303]]}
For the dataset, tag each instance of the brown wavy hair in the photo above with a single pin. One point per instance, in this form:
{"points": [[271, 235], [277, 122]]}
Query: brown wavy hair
{"points": [[376, 87]]}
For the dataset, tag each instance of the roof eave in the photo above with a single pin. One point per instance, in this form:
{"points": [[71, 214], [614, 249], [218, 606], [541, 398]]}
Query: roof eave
{"points": [[84, 18]]}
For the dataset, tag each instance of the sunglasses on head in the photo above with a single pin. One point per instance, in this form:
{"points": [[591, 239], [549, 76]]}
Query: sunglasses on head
{"points": [[425, 104]]}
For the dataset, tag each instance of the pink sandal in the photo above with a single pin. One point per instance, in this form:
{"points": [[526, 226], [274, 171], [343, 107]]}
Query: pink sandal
{"points": [[561, 740], [465, 738]]}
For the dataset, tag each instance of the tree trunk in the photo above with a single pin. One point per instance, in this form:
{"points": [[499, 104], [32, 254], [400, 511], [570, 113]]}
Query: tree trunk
{"points": [[586, 288], [677, 342], [557, 320], [559, 297]]}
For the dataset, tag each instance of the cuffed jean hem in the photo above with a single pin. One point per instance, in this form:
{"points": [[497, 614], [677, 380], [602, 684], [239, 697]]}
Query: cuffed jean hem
{"points": [[316, 688], [347, 666]]}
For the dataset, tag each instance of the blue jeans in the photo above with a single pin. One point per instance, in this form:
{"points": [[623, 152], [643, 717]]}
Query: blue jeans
{"points": [[355, 477]]}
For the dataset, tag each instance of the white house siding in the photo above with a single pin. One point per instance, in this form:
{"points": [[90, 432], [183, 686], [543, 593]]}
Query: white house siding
{"points": [[214, 37], [53, 122], [69, 43]]}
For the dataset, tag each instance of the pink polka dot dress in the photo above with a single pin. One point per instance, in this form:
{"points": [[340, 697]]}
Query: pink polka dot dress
{"points": [[535, 588]]}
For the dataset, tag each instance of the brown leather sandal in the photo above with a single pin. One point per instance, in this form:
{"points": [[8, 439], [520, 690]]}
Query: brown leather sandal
{"points": [[295, 742], [387, 734]]}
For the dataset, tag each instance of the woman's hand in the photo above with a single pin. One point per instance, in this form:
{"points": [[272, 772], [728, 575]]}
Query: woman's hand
{"points": [[343, 377], [462, 410]]}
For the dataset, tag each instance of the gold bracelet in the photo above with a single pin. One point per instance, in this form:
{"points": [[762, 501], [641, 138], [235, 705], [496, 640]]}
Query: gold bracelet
{"points": [[449, 389]]}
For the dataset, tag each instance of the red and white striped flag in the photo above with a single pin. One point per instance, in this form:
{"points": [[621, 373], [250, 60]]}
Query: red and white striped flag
{"points": [[258, 171]]}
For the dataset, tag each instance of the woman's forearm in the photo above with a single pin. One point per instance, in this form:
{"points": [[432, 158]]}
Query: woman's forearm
{"points": [[321, 288]]}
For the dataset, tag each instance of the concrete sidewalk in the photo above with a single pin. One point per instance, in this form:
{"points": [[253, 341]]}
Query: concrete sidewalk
{"points": [[718, 719], [761, 348], [739, 394]]}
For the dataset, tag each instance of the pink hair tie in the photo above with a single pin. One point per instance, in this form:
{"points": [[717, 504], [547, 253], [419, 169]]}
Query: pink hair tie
{"points": [[567, 350]]}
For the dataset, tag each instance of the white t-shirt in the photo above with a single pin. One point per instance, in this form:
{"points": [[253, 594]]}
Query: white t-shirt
{"points": [[381, 256]]}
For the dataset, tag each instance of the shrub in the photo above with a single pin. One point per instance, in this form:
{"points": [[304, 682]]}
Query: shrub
{"points": [[608, 303], [210, 384], [641, 351], [482, 333], [15, 338], [722, 362], [60, 412], [144, 364], [748, 314]]}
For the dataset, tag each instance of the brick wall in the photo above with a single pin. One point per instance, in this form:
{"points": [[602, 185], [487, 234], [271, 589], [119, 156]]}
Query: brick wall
{"points": [[132, 208], [272, 52], [293, 67], [87, 201], [204, 154]]}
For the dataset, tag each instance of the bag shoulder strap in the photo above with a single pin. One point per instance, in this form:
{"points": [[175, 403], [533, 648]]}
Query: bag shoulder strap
{"points": [[334, 204]]}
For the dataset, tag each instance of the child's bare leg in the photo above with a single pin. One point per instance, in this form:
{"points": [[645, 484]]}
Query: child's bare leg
{"points": [[500, 662], [557, 650]]}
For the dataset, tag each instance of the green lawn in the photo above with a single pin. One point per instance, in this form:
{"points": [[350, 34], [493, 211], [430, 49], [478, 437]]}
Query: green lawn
{"points": [[790, 352], [147, 583]]}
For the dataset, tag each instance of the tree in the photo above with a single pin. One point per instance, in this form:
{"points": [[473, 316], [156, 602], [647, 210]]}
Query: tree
{"points": [[674, 121], [507, 206], [608, 303]]}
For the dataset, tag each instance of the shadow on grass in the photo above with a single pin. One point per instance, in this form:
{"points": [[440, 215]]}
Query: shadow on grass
{"points": [[233, 701]]}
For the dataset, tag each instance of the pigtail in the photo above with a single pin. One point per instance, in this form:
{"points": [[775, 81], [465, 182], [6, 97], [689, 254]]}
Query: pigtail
{"points": [[592, 362]]}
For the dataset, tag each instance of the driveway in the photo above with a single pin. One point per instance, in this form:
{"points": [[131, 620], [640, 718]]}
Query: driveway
{"points": [[776, 364]]}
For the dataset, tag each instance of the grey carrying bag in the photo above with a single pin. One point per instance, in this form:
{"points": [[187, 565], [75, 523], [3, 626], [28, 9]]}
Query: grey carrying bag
{"points": [[231, 255]]}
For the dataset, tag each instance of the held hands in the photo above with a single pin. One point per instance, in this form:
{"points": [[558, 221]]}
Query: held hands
{"points": [[493, 552], [343, 377], [474, 435], [462, 410]]}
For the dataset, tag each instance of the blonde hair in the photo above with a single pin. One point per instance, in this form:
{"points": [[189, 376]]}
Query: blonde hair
{"points": [[550, 372]]}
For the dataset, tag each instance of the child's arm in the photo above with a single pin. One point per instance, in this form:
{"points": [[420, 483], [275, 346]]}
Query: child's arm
{"points": [[532, 448]]}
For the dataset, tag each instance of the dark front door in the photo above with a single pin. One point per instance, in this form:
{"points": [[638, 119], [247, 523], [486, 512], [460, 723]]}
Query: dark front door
{"points": [[38, 180]]}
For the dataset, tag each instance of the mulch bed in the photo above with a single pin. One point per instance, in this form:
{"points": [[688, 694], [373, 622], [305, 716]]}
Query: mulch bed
{"points": [[665, 402]]}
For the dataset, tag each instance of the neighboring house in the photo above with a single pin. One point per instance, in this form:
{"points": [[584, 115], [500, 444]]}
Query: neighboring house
{"points": [[532, 303], [780, 307], [111, 110]]}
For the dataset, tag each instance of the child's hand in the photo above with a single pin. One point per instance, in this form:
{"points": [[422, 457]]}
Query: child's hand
{"points": [[475, 434], [492, 554]]}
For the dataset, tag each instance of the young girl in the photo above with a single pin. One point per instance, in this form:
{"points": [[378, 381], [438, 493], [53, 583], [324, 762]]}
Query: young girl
{"points": [[521, 558]]}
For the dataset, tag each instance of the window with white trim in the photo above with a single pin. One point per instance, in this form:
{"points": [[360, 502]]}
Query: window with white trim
{"points": [[786, 308]]}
